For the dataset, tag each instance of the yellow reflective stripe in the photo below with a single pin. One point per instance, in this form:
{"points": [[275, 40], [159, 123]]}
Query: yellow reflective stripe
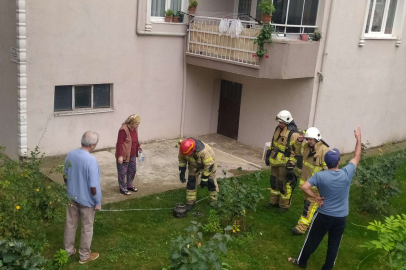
{"points": [[182, 164], [205, 179], [302, 150], [291, 142], [280, 146], [288, 192], [274, 192], [293, 159], [304, 221], [308, 220], [324, 164], [315, 169], [207, 160], [301, 181], [205, 173]]}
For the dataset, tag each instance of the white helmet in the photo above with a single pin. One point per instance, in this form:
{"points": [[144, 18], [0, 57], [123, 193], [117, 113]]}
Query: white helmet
{"points": [[313, 133], [284, 116]]}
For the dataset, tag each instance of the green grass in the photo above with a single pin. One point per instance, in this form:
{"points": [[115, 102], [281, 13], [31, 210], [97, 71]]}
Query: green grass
{"points": [[140, 239]]}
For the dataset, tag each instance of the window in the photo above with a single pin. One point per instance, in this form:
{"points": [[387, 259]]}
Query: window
{"points": [[293, 13], [82, 97], [158, 8], [381, 18]]}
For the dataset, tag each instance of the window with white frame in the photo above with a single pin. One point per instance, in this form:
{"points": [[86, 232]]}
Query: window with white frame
{"points": [[381, 18], [290, 15], [82, 97], [158, 8]]}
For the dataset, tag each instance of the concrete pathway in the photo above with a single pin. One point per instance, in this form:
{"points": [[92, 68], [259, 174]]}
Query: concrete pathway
{"points": [[161, 171]]}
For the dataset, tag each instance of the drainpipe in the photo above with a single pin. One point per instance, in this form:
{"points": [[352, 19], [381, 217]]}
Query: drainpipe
{"points": [[320, 73], [182, 123], [147, 33]]}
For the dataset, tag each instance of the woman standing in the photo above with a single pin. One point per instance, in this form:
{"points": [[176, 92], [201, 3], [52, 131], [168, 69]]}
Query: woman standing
{"points": [[127, 149]]}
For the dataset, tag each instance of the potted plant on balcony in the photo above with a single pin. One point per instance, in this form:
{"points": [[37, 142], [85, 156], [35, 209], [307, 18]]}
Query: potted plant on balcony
{"points": [[168, 15], [192, 6], [267, 9], [180, 16], [316, 36], [175, 18]]}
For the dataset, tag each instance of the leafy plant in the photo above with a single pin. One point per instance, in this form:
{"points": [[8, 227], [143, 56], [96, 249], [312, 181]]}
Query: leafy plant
{"points": [[190, 252], [376, 182], [317, 36], [193, 3], [28, 199], [180, 15], [169, 13], [267, 7], [17, 255], [213, 223], [236, 196], [391, 239], [61, 258], [264, 35]]}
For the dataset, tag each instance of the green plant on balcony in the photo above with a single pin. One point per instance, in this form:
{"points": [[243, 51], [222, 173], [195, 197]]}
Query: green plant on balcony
{"points": [[264, 35], [180, 15], [193, 3], [267, 7], [316, 36], [168, 15]]}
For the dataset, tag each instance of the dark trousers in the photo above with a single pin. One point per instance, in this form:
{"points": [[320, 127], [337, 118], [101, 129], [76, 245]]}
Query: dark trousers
{"points": [[320, 226]]}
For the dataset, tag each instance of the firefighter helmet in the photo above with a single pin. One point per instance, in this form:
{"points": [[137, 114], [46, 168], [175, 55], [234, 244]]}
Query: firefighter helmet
{"points": [[187, 147], [313, 133], [284, 116]]}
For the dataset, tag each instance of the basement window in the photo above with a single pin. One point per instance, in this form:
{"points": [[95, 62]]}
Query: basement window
{"points": [[82, 98]]}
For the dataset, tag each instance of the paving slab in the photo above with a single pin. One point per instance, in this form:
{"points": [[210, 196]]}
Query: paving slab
{"points": [[160, 173]]}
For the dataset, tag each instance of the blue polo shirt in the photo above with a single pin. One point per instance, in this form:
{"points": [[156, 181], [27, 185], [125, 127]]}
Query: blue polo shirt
{"points": [[334, 186], [82, 172]]}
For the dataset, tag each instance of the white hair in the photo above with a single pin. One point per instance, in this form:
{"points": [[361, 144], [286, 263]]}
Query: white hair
{"points": [[89, 138]]}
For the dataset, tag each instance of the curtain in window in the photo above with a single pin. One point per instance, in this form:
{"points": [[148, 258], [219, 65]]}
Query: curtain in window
{"points": [[244, 6], [176, 5], [158, 8]]}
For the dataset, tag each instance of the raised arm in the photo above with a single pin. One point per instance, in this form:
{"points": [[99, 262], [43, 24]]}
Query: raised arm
{"points": [[357, 156]]}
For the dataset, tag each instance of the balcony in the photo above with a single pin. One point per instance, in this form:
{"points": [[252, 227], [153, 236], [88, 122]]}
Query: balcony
{"points": [[288, 58]]}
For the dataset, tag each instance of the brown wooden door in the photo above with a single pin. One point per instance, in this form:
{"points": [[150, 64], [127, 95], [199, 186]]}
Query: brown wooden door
{"points": [[229, 111]]}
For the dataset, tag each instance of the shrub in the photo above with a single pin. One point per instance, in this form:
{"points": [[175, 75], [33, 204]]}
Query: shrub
{"points": [[236, 196], [213, 223], [60, 259], [191, 252], [28, 200], [376, 182], [267, 7], [169, 13], [17, 255], [317, 36], [264, 35], [391, 239], [193, 3]]}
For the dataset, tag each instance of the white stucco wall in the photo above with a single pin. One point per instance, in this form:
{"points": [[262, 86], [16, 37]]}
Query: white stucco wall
{"points": [[363, 86], [8, 79], [95, 41]]}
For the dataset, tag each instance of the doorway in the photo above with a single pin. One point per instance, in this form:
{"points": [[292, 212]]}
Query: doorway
{"points": [[229, 109]]}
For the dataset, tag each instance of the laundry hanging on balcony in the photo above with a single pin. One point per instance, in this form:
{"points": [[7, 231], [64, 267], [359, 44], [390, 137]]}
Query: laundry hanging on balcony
{"points": [[232, 28]]}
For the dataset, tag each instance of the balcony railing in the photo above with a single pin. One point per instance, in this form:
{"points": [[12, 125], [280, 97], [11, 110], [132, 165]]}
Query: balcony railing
{"points": [[204, 40]]}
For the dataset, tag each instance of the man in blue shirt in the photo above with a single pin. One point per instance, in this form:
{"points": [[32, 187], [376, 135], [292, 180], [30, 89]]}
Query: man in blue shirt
{"points": [[334, 187], [82, 178]]}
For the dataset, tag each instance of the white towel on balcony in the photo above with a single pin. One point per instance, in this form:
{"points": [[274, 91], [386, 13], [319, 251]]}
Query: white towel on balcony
{"points": [[224, 26], [235, 29]]}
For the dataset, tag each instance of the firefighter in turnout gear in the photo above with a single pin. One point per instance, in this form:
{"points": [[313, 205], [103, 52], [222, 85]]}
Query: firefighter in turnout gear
{"points": [[313, 161], [280, 156], [202, 168]]}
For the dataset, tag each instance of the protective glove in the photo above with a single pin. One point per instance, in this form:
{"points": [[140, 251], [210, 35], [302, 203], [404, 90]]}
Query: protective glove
{"points": [[182, 172], [204, 182], [268, 155], [290, 175]]}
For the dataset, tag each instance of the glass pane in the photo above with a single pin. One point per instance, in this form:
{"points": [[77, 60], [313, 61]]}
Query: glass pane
{"points": [[293, 29], [101, 96], [158, 8], [83, 96], [176, 5], [391, 16], [310, 12], [63, 98], [281, 7], [369, 15], [244, 6], [378, 15], [295, 12]]}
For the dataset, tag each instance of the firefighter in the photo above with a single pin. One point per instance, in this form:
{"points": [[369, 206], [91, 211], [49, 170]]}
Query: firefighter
{"points": [[202, 168], [313, 161], [278, 156]]}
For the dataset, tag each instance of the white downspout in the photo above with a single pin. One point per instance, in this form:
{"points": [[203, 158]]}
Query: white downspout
{"points": [[320, 73], [147, 33], [182, 123], [22, 77]]}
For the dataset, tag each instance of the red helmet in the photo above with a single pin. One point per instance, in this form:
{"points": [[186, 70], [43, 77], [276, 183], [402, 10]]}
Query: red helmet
{"points": [[187, 147]]}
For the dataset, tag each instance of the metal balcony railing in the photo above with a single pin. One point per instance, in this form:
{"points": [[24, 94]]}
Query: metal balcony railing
{"points": [[204, 40]]}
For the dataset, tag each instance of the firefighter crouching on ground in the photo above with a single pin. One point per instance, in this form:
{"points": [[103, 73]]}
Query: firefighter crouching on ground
{"points": [[313, 161], [278, 156], [201, 162]]}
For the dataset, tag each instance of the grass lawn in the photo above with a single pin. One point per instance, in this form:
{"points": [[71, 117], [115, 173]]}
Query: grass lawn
{"points": [[140, 239]]}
